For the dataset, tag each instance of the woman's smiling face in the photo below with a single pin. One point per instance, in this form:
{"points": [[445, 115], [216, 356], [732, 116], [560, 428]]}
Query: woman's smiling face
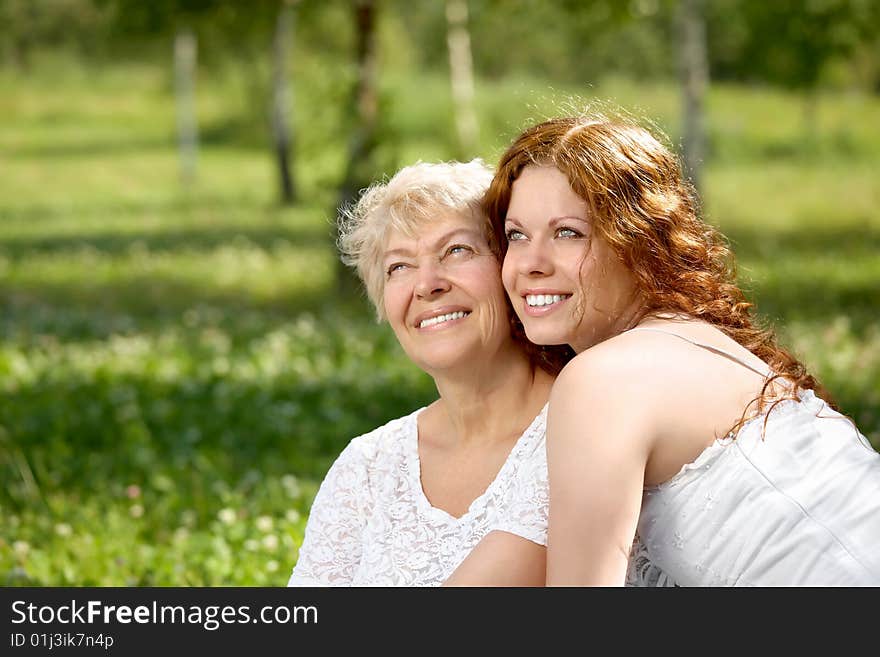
{"points": [[443, 294], [566, 284]]}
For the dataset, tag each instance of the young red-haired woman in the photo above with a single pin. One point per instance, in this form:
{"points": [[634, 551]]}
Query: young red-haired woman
{"points": [[684, 446]]}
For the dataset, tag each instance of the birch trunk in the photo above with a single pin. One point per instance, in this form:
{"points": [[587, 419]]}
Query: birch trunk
{"points": [[365, 107], [461, 75], [694, 68], [281, 102], [185, 53]]}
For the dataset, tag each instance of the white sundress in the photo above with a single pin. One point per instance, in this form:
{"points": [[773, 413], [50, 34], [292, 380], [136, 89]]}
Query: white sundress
{"points": [[796, 505]]}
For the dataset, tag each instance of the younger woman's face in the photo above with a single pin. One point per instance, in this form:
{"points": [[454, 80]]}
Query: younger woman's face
{"points": [[565, 283]]}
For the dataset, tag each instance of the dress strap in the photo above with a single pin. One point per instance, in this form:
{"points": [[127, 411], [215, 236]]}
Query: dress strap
{"points": [[715, 350]]}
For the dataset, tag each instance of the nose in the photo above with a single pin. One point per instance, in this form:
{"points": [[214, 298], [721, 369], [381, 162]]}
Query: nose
{"points": [[532, 259], [431, 280]]}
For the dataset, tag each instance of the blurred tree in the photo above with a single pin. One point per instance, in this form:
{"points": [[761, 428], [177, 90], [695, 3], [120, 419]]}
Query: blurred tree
{"points": [[364, 107], [185, 60], [219, 24], [27, 25], [461, 74], [280, 100], [788, 42], [569, 40], [694, 72]]}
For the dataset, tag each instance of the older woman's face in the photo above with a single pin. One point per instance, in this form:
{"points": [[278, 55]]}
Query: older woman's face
{"points": [[565, 283], [443, 294]]}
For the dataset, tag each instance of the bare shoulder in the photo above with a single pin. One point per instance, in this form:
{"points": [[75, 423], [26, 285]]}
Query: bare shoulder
{"points": [[646, 379], [610, 389], [637, 364], [699, 333]]}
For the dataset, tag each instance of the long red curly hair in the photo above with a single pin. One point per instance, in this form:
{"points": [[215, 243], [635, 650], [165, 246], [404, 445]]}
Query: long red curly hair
{"points": [[648, 213]]}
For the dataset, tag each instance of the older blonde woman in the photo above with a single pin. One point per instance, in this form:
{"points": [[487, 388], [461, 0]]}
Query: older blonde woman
{"points": [[455, 492]]}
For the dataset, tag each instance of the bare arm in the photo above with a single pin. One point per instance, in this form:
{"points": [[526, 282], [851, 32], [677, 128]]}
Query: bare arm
{"points": [[502, 559], [598, 443]]}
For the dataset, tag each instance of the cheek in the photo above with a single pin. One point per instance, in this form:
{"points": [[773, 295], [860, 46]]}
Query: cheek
{"points": [[614, 277], [392, 302], [607, 284], [494, 316], [508, 273]]}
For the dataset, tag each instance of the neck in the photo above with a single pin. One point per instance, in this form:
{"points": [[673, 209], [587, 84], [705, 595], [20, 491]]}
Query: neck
{"points": [[622, 321], [494, 399]]}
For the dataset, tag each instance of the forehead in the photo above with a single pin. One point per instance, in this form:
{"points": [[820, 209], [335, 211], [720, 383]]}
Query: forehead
{"points": [[429, 232], [544, 190]]}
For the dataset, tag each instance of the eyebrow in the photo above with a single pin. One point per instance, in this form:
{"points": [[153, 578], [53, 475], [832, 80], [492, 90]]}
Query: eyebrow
{"points": [[552, 220], [443, 239]]}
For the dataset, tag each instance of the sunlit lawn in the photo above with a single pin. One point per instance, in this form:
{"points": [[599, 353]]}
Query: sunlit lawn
{"points": [[177, 368]]}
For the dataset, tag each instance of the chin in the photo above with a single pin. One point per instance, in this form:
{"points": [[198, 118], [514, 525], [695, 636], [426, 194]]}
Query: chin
{"points": [[440, 360], [545, 335]]}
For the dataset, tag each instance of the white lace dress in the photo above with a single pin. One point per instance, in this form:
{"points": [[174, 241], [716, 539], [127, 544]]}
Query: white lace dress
{"points": [[800, 506], [371, 524]]}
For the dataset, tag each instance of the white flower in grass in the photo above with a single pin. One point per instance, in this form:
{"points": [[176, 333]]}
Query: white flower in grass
{"points": [[63, 529], [272, 566], [227, 516], [291, 485], [264, 524], [270, 542], [21, 548], [251, 545], [292, 516], [136, 510]]}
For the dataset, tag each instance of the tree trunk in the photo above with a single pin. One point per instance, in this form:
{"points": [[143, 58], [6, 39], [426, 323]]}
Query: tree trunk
{"points": [[185, 52], [365, 103], [281, 102], [365, 107], [461, 75], [694, 68]]}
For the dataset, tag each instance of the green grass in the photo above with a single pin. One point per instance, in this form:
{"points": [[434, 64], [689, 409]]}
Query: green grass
{"points": [[177, 368]]}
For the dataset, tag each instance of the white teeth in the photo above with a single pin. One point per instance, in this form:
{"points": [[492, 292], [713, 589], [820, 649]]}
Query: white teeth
{"points": [[439, 319], [545, 299]]}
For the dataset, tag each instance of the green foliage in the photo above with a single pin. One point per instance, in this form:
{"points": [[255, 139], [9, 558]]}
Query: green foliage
{"points": [[790, 42], [787, 42], [176, 370], [26, 25], [569, 42]]}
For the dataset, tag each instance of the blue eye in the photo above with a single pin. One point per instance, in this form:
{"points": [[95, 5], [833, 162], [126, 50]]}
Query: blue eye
{"points": [[396, 267], [458, 249], [514, 235], [567, 233]]}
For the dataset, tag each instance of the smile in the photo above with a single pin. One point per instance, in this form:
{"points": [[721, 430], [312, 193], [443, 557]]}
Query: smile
{"points": [[538, 300], [442, 319]]}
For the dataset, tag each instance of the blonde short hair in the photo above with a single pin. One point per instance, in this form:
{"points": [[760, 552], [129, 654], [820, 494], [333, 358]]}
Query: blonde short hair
{"points": [[415, 195]]}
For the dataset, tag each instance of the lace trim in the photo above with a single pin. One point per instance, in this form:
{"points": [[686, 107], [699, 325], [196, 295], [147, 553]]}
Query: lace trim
{"points": [[642, 572], [502, 478]]}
